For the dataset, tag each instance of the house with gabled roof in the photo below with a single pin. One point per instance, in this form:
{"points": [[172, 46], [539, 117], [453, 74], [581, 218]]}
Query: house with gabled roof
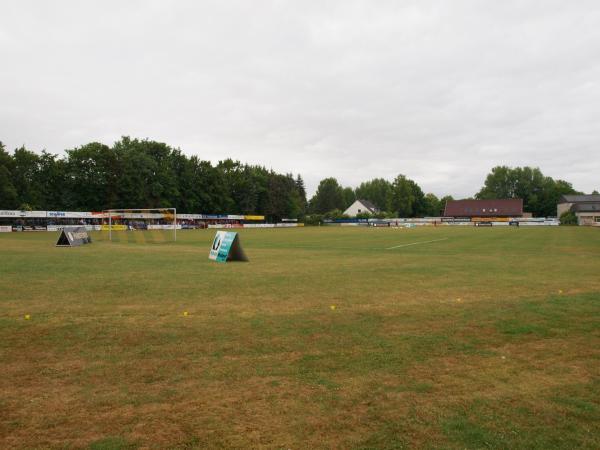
{"points": [[361, 207], [585, 207]]}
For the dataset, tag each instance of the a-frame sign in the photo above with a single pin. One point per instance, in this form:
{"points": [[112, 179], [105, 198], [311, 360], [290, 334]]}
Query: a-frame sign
{"points": [[226, 246], [73, 236]]}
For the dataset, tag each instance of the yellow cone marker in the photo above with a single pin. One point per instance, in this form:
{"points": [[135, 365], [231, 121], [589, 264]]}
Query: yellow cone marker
{"points": [[185, 313], [332, 307], [560, 291], [27, 317], [459, 300]]}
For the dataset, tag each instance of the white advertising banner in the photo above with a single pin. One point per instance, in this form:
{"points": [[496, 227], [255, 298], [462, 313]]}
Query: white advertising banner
{"points": [[47, 214], [540, 224], [272, 225], [226, 225], [70, 214], [5, 229], [454, 224], [189, 216], [163, 227], [259, 225], [60, 227], [17, 214], [134, 215]]}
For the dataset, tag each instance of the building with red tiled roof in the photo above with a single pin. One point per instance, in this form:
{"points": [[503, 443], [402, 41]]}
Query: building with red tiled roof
{"points": [[509, 207]]}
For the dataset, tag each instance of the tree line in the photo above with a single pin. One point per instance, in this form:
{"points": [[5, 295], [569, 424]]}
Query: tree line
{"points": [[135, 173], [403, 197]]}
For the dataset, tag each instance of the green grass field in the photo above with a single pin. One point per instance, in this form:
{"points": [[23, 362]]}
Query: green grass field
{"points": [[484, 338]]}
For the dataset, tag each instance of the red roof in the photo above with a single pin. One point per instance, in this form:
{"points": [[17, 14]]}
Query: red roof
{"points": [[484, 208]]}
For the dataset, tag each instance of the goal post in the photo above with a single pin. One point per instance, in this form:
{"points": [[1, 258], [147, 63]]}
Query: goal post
{"points": [[141, 214]]}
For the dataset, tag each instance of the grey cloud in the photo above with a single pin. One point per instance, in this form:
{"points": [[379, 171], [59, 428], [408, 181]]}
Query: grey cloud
{"points": [[440, 91]]}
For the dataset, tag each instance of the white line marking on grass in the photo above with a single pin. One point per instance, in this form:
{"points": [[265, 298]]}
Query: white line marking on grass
{"points": [[415, 243]]}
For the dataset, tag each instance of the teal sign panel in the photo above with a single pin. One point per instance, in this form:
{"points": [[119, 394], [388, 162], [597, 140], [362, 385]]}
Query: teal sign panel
{"points": [[226, 246]]}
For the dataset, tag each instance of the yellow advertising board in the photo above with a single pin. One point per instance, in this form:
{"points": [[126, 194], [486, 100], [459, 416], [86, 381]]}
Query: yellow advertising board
{"points": [[490, 219], [114, 227], [254, 217]]}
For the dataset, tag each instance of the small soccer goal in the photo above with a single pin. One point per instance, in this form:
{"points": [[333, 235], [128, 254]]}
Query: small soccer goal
{"points": [[163, 220]]}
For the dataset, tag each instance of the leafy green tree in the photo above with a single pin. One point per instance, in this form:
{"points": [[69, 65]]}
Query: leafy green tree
{"points": [[25, 175], [161, 191], [378, 191], [405, 197], [145, 174], [539, 193], [8, 194], [241, 188], [185, 170], [335, 214], [313, 219], [137, 173], [6, 159], [443, 201], [500, 183], [52, 181], [277, 205], [349, 197], [329, 196], [284, 199], [210, 185], [9, 197], [419, 205], [302, 193], [432, 205], [568, 218], [94, 178], [296, 200], [555, 189]]}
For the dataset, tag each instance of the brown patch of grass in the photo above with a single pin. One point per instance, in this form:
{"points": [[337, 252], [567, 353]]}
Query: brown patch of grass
{"points": [[262, 362]]}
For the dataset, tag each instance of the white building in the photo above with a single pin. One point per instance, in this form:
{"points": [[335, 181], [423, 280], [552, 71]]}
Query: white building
{"points": [[361, 207], [585, 207]]}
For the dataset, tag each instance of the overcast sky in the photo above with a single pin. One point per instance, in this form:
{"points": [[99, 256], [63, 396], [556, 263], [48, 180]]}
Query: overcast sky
{"points": [[438, 91]]}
